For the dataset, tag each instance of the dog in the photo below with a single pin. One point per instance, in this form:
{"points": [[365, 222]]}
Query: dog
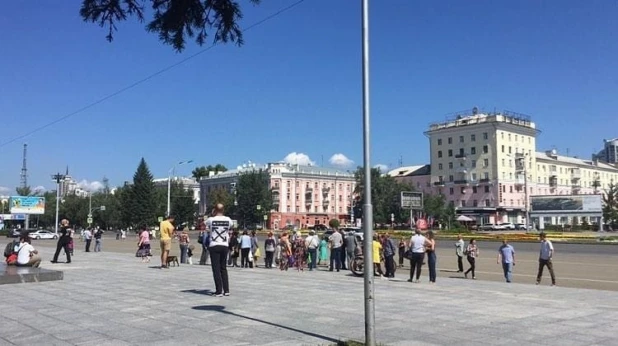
{"points": [[172, 260]]}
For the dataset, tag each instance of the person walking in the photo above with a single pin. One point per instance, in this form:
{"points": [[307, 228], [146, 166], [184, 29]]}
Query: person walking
{"points": [[88, 238], [350, 247], [389, 256], [312, 242], [245, 247], [431, 257], [459, 251], [219, 226], [418, 243], [402, 251], [472, 252], [506, 253], [336, 242], [98, 234], [143, 245], [545, 257], [269, 248], [167, 232], [63, 242]]}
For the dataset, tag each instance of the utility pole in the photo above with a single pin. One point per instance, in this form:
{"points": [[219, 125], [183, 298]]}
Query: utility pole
{"points": [[370, 333], [58, 178]]}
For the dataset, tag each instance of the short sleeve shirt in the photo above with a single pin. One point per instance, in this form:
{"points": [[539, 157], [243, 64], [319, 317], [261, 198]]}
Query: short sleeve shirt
{"points": [[167, 229], [546, 248], [506, 252]]}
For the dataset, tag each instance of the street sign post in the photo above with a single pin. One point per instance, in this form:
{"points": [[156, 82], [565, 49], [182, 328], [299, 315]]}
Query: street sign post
{"points": [[89, 220], [413, 201]]}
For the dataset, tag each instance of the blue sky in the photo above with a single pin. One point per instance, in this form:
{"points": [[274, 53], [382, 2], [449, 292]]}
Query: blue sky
{"points": [[295, 86]]}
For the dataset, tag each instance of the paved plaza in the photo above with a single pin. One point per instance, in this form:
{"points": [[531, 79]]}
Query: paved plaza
{"points": [[113, 299]]}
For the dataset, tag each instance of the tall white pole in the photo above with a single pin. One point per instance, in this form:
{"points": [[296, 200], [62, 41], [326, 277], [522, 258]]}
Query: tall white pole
{"points": [[169, 185], [526, 203], [57, 200], [370, 335]]}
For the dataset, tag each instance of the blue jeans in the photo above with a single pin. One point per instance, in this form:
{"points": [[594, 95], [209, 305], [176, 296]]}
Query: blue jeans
{"points": [[431, 263], [508, 271], [313, 258], [97, 245], [183, 253], [335, 258]]}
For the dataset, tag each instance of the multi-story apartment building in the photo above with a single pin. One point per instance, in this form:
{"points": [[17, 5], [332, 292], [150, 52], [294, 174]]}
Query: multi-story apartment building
{"points": [[609, 154], [487, 166], [303, 195], [188, 183]]}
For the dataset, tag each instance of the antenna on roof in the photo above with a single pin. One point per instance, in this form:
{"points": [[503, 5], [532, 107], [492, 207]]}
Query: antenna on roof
{"points": [[400, 160]]}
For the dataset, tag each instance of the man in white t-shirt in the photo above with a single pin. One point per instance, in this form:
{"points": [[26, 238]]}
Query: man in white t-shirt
{"points": [[311, 243], [27, 255], [545, 256], [219, 226]]}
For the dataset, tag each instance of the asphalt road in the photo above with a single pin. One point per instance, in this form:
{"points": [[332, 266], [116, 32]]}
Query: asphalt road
{"points": [[576, 265]]}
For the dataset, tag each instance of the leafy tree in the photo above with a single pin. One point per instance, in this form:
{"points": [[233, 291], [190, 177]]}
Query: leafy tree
{"points": [[143, 197], [182, 204], [253, 190], [610, 205], [223, 196], [123, 194], [173, 21], [203, 171], [23, 191], [385, 196], [333, 223]]}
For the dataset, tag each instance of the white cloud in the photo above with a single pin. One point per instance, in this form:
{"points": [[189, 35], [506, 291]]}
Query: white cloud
{"points": [[39, 188], [298, 158], [4, 189], [383, 168], [340, 161], [90, 186]]}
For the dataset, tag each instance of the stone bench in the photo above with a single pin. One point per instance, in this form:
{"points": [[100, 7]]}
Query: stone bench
{"points": [[18, 275]]}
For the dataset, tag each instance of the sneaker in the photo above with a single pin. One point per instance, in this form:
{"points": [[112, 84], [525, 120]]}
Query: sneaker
{"points": [[474, 278], [410, 280], [227, 294], [217, 295], [538, 282]]}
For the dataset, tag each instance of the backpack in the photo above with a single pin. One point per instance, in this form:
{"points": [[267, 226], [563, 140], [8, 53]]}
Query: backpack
{"points": [[9, 249]]}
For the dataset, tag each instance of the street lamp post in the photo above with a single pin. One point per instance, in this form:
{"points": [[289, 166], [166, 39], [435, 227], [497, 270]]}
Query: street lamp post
{"points": [[370, 336], [58, 178], [91, 209], [169, 184]]}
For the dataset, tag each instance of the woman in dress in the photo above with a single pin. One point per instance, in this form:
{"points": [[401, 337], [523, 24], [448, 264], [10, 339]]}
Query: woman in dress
{"points": [[472, 252], [143, 245], [431, 256], [183, 240], [323, 256], [286, 251], [300, 252]]}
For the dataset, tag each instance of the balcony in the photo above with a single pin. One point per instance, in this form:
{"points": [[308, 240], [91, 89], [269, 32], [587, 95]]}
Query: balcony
{"points": [[520, 180], [462, 182], [275, 188], [276, 198], [308, 190], [553, 172], [325, 202], [461, 156], [553, 182], [308, 202], [439, 183], [325, 191], [576, 175], [485, 181], [462, 170]]}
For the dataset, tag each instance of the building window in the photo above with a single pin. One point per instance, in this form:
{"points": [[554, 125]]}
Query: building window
{"points": [[474, 176], [461, 152], [440, 178], [473, 164], [486, 189], [461, 139], [485, 136], [450, 178], [439, 153], [297, 197], [340, 198], [509, 141], [516, 138], [288, 196], [450, 165], [297, 209], [450, 140], [511, 189], [510, 152], [502, 135], [439, 141], [473, 150], [485, 163], [474, 189], [487, 203], [289, 209], [450, 153], [485, 149], [439, 166], [503, 163], [475, 203], [451, 191], [503, 148], [473, 138], [463, 203]]}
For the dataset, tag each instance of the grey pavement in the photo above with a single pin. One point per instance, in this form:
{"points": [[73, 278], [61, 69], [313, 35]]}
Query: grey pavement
{"points": [[113, 299]]}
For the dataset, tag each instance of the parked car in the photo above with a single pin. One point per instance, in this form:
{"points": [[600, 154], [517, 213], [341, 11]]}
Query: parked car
{"points": [[521, 227], [43, 234], [507, 225]]}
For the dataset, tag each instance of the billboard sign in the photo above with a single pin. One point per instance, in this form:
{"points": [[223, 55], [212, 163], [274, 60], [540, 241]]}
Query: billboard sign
{"points": [[27, 205], [411, 200], [567, 204]]}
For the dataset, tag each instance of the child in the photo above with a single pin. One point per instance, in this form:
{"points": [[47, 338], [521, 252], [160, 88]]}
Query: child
{"points": [[190, 254]]}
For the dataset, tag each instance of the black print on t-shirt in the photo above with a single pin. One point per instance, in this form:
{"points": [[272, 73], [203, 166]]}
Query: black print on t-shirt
{"points": [[219, 230]]}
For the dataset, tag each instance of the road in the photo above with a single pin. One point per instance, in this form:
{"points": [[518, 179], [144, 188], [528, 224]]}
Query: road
{"points": [[576, 265]]}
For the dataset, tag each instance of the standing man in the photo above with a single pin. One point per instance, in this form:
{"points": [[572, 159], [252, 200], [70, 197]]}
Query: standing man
{"points": [[311, 243], [88, 238], [336, 243], [97, 240], [167, 232], [204, 239], [63, 242], [389, 256], [350, 247], [459, 251], [507, 254], [219, 226], [545, 256]]}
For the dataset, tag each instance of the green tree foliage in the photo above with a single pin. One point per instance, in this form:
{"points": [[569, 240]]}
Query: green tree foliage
{"points": [[23, 191], [203, 171], [173, 21], [182, 204], [333, 223], [385, 196], [223, 196], [253, 190], [142, 197], [610, 205]]}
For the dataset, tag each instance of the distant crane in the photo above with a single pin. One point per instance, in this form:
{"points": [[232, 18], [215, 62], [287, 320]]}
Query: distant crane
{"points": [[24, 169]]}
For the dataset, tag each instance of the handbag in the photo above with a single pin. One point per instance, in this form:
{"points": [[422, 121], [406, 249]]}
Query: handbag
{"points": [[408, 254], [250, 256], [258, 253]]}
